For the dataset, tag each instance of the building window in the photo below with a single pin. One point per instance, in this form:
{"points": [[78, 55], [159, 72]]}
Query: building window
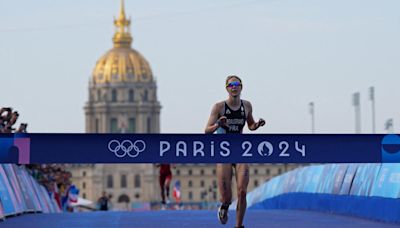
{"points": [[214, 172], [267, 172], [203, 195], [83, 185], [148, 125], [190, 184], [98, 95], [110, 181], [279, 171], [123, 199], [214, 184], [131, 95], [137, 181], [190, 172], [114, 95], [255, 183], [84, 173], [215, 195], [255, 171], [178, 172], [114, 125], [84, 195], [190, 195], [145, 95], [96, 127], [123, 181], [202, 172], [132, 125], [201, 183]]}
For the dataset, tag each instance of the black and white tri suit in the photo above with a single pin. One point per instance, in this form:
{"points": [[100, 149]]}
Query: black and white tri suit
{"points": [[236, 119]]}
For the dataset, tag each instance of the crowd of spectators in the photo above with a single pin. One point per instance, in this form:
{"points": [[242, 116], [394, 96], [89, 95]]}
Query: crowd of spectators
{"points": [[52, 176], [56, 180], [8, 118]]}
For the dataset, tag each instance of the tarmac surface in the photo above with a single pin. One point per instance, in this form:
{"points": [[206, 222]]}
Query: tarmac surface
{"points": [[192, 219]]}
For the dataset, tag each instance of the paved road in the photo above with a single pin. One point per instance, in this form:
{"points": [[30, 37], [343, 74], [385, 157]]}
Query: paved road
{"points": [[192, 219]]}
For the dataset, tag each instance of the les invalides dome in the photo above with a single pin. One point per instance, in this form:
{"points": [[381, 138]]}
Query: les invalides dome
{"points": [[122, 89]]}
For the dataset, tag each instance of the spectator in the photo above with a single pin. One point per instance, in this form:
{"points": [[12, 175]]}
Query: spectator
{"points": [[103, 202], [8, 118], [52, 176]]}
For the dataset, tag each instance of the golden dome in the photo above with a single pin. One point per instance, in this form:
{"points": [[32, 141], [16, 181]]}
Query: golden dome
{"points": [[122, 63]]}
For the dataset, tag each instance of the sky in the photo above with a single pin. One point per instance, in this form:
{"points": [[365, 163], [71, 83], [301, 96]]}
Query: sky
{"points": [[288, 53]]}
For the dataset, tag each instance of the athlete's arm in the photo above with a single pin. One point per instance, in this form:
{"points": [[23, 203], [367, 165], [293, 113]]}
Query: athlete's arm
{"points": [[212, 124], [253, 125]]}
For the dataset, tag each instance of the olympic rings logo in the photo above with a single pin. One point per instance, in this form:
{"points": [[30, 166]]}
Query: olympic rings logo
{"points": [[126, 147]]}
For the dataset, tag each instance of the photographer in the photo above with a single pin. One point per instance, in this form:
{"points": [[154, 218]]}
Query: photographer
{"points": [[22, 128], [8, 118], [4, 119]]}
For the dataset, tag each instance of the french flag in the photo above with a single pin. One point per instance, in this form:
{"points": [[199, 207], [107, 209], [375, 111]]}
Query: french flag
{"points": [[73, 194], [177, 191]]}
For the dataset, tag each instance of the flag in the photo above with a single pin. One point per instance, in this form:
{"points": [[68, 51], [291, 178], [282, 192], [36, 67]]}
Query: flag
{"points": [[389, 124], [73, 194], [177, 191]]}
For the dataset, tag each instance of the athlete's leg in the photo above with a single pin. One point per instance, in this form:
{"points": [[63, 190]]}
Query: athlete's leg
{"points": [[167, 183], [162, 184], [242, 180], [224, 176]]}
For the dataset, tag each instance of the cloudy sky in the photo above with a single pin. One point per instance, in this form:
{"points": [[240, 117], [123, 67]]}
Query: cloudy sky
{"points": [[288, 53]]}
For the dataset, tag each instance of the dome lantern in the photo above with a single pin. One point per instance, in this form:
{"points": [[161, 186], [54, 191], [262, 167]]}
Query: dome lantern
{"points": [[122, 36]]}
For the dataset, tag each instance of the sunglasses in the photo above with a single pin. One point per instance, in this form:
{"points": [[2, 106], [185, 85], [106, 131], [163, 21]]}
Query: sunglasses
{"points": [[232, 84]]}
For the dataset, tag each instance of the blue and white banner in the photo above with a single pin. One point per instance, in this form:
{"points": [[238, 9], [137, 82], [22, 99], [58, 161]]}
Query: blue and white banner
{"points": [[387, 183], [198, 148], [7, 196]]}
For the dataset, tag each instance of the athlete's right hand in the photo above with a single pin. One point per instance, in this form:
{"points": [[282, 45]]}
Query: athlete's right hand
{"points": [[222, 122]]}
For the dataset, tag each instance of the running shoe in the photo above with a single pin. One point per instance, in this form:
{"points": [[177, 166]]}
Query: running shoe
{"points": [[223, 213]]}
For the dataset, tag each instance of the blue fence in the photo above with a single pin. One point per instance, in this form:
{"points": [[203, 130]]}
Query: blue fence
{"points": [[20, 193], [365, 190]]}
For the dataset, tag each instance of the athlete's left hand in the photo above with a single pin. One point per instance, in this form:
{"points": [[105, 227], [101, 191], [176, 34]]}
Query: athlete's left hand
{"points": [[260, 123]]}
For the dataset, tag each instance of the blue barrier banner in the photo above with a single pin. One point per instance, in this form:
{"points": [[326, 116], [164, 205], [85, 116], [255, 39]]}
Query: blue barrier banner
{"points": [[325, 178], [20, 205], [315, 173], [348, 179], [25, 190], [1, 211], [7, 197], [364, 179], [29, 182], [387, 184], [339, 177], [198, 148], [268, 189], [301, 179]]}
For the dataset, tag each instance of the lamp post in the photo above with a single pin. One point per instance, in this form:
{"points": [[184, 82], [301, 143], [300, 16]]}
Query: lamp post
{"points": [[372, 99], [312, 112], [356, 104]]}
